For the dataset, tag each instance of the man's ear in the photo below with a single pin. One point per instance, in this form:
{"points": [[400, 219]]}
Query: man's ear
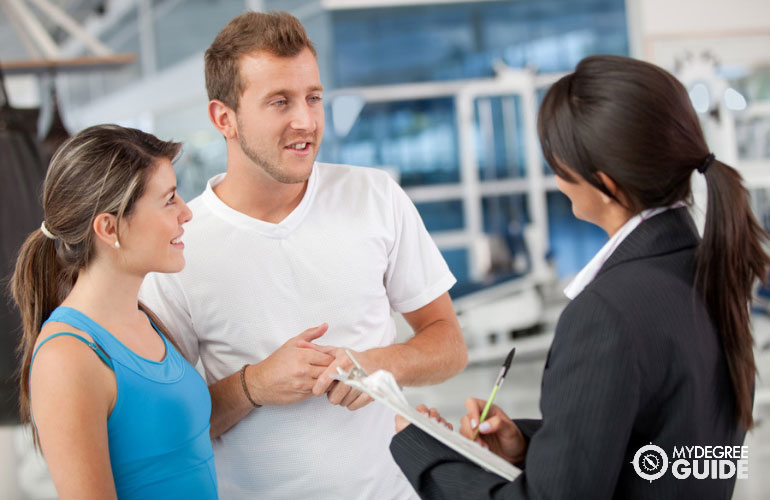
{"points": [[223, 118], [106, 228]]}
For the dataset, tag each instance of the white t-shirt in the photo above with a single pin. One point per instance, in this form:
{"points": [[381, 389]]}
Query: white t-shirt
{"points": [[352, 250]]}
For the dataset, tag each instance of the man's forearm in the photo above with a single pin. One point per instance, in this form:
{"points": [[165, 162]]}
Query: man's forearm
{"points": [[228, 404], [283, 378], [432, 355]]}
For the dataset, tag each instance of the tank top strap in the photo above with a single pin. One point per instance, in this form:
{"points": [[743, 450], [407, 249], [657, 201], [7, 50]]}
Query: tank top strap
{"points": [[169, 369], [94, 347], [109, 344]]}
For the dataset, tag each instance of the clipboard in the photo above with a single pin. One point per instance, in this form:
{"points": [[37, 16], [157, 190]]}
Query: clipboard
{"points": [[382, 387]]}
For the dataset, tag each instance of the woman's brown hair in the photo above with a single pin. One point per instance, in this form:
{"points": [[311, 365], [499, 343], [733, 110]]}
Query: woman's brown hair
{"points": [[103, 169], [634, 122]]}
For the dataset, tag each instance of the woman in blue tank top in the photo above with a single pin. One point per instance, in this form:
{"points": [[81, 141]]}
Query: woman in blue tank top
{"points": [[118, 413]]}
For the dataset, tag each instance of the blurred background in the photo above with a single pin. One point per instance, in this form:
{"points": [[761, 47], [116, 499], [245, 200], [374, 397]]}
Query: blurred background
{"points": [[441, 94]]}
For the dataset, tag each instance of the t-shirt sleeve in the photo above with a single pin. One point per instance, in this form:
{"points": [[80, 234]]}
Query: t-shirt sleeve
{"points": [[163, 295], [417, 273]]}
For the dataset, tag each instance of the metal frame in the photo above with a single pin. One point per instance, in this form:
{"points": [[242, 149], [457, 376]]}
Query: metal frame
{"points": [[34, 29], [471, 190], [48, 55]]}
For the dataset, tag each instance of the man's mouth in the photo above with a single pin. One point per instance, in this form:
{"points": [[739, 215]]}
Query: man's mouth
{"points": [[299, 146]]}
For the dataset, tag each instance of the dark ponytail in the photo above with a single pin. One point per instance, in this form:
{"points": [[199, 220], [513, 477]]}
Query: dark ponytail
{"points": [[729, 260]]}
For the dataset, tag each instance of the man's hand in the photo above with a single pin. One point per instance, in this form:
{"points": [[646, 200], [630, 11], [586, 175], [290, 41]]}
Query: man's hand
{"points": [[337, 392], [433, 413], [288, 375]]}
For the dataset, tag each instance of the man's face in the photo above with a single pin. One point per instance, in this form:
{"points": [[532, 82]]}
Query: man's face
{"points": [[280, 116]]}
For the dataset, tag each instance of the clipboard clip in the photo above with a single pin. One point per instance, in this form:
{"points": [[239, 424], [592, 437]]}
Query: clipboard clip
{"points": [[357, 372]]}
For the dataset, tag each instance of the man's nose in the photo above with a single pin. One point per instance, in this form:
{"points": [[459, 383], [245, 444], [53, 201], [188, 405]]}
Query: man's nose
{"points": [[303, 118]]}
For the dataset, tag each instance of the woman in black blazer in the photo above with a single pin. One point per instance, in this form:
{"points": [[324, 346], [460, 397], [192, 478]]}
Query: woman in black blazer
{"points": [[655, 347]]}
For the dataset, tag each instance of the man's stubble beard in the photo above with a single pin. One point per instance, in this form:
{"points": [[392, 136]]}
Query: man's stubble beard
{"points": [[271, 168]]}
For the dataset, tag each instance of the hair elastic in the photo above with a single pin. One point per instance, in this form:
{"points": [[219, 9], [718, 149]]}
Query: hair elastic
{"points": [[48, 234], [706, 163]]}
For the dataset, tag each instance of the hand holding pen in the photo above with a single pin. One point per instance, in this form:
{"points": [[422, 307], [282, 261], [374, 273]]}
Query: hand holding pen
{"points": [[498, 432], [498, 384]]}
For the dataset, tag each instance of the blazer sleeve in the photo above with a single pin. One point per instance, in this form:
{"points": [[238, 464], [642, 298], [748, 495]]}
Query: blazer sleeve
{"points": [[528, 428], [589, 401], [438, 472]]}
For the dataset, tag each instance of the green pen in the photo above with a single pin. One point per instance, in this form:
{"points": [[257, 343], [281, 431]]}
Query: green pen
{"points": [[498, 384]]}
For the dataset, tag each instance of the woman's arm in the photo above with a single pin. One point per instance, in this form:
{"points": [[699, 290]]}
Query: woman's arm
{"points": [[72, 394], [589, 400]]}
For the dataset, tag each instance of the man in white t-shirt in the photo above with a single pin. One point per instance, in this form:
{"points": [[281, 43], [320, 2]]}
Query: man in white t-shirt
{"points": [[281, 244]]}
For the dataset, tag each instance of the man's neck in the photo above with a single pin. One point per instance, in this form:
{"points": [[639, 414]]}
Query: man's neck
{"points": [[256, 194]]}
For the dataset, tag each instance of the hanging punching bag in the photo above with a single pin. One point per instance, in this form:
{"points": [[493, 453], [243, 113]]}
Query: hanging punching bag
{"points": [[23, 170]]}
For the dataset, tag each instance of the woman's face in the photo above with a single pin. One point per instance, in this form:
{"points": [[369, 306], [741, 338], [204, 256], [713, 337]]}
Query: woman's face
{"points": [[150, 239]]}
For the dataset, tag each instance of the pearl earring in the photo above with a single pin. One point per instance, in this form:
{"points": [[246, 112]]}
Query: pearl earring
{"points": [[117, 244]]}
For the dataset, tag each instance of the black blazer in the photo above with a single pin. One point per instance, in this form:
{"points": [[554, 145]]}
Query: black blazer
{"points": [[635, 360]]}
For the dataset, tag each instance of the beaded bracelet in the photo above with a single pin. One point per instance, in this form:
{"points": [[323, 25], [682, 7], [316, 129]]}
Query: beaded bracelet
{"points": [[246, 389]]}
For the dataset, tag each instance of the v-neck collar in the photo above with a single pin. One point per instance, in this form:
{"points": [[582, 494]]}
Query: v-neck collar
{"points": [[273, 230]]}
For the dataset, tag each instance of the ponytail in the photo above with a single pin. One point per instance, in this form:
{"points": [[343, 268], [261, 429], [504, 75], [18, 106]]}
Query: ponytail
{"points": [[38, 285], [634, 122], [118, 161], [729, 259]]}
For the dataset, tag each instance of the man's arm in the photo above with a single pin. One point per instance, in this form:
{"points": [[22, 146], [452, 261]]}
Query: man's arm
{"points": [[228, 404], [435, 353], [286, 376], [298, 369]]}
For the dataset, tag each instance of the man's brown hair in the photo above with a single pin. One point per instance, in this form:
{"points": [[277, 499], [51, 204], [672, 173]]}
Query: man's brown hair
{"points": [[278, 33]]}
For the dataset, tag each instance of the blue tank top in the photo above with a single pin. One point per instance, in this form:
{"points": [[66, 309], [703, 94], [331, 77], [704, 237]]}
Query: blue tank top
{"points": [[159, 428]]}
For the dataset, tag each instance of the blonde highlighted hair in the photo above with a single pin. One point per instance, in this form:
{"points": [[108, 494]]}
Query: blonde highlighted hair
{"points": [[102, 169]]}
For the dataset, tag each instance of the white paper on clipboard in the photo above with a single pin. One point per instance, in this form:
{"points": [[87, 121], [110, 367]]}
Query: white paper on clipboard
{"points": [[381, 386]]}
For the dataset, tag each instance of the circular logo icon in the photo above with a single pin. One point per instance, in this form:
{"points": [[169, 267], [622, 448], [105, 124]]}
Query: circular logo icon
{"points": [[650, 462]]}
